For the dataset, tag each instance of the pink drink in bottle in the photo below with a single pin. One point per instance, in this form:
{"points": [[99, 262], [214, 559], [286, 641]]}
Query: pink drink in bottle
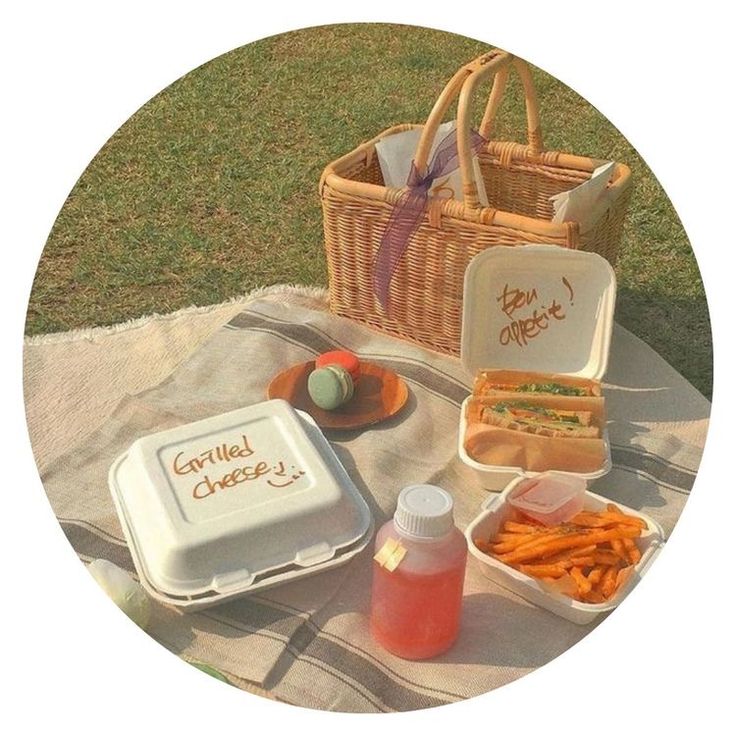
{"points": [[418, 575]]}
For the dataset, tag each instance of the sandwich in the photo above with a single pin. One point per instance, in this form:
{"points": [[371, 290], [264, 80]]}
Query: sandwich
{"points": [[549, 387], [537, 432], [525, 416], [492, 382]]}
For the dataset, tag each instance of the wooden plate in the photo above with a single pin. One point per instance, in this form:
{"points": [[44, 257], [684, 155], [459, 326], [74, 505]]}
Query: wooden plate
{"points": [[379, 394]]}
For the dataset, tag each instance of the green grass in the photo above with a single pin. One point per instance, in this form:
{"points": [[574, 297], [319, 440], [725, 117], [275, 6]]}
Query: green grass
{"points": [[210, 189]]}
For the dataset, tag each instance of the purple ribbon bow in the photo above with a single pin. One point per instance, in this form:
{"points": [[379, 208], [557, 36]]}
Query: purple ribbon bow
{"points": [[409, 210]]}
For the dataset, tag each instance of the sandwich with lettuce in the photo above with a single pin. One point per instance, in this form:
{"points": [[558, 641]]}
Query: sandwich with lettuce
{"points": [[537, 432], [526, 416], [490, 383]]}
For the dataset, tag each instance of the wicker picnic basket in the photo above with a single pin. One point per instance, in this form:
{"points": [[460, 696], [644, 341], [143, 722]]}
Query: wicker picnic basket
{"points": [[426, 289]]}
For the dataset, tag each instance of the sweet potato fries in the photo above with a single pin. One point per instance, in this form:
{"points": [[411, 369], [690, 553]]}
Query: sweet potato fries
{"points": [[588, 558]]}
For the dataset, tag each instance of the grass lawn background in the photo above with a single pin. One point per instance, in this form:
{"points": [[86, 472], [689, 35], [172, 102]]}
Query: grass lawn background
{"points": [[210, 189]]}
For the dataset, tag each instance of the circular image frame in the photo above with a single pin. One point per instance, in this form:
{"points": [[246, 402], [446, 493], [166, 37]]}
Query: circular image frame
{"points": [[39, 341]]}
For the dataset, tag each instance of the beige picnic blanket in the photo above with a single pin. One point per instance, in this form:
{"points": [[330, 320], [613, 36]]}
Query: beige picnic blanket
{"points": [[90, 395]]}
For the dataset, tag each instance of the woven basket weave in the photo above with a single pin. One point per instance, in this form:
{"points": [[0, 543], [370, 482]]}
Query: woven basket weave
{"points": [[426, 291]]}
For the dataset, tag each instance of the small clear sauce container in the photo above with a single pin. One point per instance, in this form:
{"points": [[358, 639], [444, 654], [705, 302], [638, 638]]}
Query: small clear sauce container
{"points": [[550, 498]]}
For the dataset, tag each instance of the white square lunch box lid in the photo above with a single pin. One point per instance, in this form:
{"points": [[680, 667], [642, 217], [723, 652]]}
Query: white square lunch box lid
{"points": [[538, 308], [212, 506]]}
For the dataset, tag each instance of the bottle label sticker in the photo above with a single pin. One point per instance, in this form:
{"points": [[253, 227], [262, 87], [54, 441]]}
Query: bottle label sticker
{"points": [[390, 555]]}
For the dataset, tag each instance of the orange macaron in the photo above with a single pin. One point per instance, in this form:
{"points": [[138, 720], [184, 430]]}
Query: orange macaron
{"points": [[343, 358]]}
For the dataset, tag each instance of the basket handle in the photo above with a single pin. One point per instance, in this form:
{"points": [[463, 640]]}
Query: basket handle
{"points": [[463, 85]]}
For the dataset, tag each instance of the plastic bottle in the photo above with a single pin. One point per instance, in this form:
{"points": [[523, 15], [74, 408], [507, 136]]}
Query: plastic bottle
{"points": [[418, 575]]}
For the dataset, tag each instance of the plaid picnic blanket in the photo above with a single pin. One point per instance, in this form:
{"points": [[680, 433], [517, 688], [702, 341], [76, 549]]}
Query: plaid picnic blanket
{"points": [[307, 642]]}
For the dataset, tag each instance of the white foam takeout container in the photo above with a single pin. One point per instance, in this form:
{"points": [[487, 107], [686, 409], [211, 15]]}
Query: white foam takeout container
{"points": [[496, 510], [583, 286], [236, 503]]}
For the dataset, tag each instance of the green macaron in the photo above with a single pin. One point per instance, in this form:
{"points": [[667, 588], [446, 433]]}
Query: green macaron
{"points": [[330, 386]]}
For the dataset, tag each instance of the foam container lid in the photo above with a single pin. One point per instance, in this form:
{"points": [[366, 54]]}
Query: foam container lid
{"points": [[215, 505], [538, 308]]}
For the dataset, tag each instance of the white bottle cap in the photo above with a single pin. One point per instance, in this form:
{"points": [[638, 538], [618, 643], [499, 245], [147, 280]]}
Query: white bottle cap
{"points": [[424, 511]]}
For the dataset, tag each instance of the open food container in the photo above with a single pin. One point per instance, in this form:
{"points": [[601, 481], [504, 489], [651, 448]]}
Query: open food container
{"points": [[236, 503], [497, 510], [542, 314]]}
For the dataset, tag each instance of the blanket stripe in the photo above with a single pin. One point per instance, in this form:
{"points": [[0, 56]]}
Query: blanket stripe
{"points": [[257, 616], [442, 385], [311, 649]]}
